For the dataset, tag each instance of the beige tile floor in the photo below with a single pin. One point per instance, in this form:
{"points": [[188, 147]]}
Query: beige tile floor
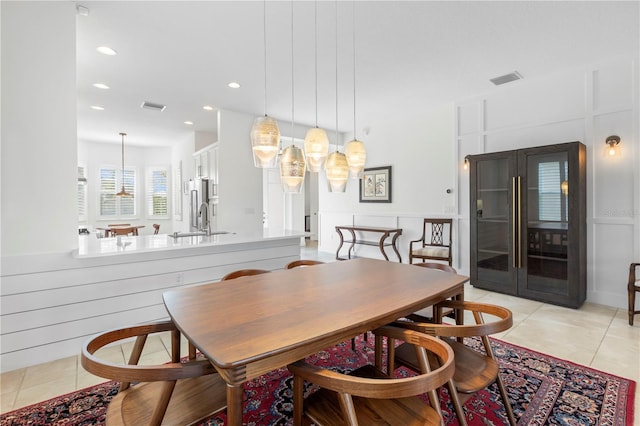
{"points": [[594, 335]]}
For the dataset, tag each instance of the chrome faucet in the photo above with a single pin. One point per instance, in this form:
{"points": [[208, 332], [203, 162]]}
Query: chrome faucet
{"points": [[205, 225]]}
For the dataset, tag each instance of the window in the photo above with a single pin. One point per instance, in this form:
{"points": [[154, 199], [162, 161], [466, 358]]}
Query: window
{"points": [[110, 205], [553, 204], [157, 199], [82, 195]]}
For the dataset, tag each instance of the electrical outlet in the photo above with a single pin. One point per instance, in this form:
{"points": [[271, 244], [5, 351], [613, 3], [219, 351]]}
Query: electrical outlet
{"points": [[179, 278], [449, 209]]}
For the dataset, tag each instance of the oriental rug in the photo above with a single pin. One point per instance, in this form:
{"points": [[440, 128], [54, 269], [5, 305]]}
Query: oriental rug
{"points": [[543, 391]]}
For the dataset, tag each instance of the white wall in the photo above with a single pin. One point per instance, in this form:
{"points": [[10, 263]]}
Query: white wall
{"points": [[39, 155], [240, 205]]}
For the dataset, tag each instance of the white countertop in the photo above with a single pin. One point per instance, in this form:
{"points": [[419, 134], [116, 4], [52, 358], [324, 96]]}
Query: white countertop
{"points": [[91, 247]]}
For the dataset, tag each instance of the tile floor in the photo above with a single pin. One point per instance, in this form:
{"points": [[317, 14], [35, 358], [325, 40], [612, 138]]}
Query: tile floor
{"points": [[594, 335]]}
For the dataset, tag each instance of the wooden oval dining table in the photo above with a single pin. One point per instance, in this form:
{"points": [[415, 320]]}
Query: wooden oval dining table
{"points": [[109, 229], [251, 325]]}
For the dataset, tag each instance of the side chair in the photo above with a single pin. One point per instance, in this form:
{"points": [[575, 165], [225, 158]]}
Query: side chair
{"points": [[124, 231], [473, 370], [435, 242], [633, 287], [171, 394], [302, 262], [367, 396], [243, 273]]}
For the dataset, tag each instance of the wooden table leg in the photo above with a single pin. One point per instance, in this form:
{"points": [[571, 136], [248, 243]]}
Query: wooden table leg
{"points": [[234, 404]]}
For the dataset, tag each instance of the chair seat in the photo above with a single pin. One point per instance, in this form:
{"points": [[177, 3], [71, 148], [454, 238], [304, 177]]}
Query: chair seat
{"points": [[193, 400], [474, 371], [431, 251], [323, 408]]}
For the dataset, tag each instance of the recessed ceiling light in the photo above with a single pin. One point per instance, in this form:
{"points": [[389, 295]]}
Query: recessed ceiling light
{"points": [[234, 85], [189, 123], [97, 108], [100, 86], [208, 107], [106, 50]]}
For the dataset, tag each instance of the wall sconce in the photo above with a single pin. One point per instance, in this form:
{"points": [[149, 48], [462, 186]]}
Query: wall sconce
{"points": [[466, 162], [613, 142]]}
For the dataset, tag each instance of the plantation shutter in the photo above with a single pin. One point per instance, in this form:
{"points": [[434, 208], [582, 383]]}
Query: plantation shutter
{"points": [[110, 205], [82, 195], [157, 193]]}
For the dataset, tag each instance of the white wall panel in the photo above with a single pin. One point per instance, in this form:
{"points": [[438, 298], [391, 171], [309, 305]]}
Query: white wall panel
{"points": [[543, 134], [611, 83], [557, 97], [613, 175], [468, 118]]}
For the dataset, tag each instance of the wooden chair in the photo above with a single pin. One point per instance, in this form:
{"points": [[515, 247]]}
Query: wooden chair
{"points": [[474, 371], [172, 393], [302, 262], [243, 273], [435, 243], [156, 229], [119, 224], [633, 287], [426, 314], [367, 396], [124, 231]]}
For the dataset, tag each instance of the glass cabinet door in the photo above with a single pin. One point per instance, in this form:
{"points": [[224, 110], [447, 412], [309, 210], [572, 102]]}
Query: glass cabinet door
{"points": [[545, 223], [491, 218]]}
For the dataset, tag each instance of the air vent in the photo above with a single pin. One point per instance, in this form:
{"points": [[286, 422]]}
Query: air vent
{"points": [[151, 105], [506, 78]]}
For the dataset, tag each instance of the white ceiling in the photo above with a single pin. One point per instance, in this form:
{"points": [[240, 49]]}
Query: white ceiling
{"points": [[410, 56]]}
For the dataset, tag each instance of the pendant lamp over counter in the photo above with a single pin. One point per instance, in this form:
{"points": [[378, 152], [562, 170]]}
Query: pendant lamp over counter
{"points": [[292, 162], [316, 142], [123, 192], [265, 135], [354, 150]]}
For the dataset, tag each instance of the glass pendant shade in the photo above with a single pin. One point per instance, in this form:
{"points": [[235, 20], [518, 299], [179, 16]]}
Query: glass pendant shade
{"points": [[265, 140], [292, 169], [356, 157], [316, 148], [337, 170]]}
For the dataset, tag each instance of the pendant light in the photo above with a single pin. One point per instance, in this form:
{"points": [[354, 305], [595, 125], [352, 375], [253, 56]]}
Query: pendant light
{"points": [[265, 135], [336, 167], [123, 192], [354, 150], [316, 142], [292, 162]]}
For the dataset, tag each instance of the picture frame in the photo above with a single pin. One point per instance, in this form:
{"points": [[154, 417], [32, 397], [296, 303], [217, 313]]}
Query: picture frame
{"points": [[375, 185]]}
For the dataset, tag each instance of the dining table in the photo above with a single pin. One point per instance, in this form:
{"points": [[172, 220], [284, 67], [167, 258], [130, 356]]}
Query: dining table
{"points": [[109, 229], [251, 325]]}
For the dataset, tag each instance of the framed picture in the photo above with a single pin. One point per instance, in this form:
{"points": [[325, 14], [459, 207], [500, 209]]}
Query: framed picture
{"points": [[375, 185]]}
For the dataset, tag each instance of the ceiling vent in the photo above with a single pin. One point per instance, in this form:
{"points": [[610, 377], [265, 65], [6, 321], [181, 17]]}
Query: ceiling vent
{"points": [[506, 78], [151, 105]]}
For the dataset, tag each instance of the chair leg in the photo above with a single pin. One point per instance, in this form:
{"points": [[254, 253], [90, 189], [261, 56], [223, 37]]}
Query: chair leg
{"points": [[632, 303], [505, 401], [457, 405], [298, 400]]}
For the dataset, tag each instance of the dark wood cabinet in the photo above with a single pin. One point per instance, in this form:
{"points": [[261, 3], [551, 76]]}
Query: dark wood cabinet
{"points": [[528, 222]]}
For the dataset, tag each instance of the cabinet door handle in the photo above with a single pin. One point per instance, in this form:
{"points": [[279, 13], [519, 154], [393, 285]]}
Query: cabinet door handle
{"points": [[514, 238], [519, 224]]}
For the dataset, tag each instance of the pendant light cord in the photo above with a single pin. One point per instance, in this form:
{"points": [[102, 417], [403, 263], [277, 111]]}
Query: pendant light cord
{"points": [[315, 40], [264, 40], [354, 70], [122, 169], [292, 86], [337, 140]]}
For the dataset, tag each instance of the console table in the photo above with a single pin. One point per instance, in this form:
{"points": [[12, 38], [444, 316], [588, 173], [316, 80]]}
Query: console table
{"points": [[385, 233]]}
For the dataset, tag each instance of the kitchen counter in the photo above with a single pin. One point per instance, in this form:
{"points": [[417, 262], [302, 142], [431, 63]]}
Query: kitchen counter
{"points": [[91, 247]]}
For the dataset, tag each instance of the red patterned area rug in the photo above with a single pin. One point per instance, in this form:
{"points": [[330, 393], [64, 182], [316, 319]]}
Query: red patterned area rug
{"points": [[543, 391]]}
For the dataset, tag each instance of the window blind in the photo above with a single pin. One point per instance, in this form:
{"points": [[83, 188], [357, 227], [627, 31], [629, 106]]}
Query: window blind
{"points": [[82, 194], [550, 177], [157, 193]]}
